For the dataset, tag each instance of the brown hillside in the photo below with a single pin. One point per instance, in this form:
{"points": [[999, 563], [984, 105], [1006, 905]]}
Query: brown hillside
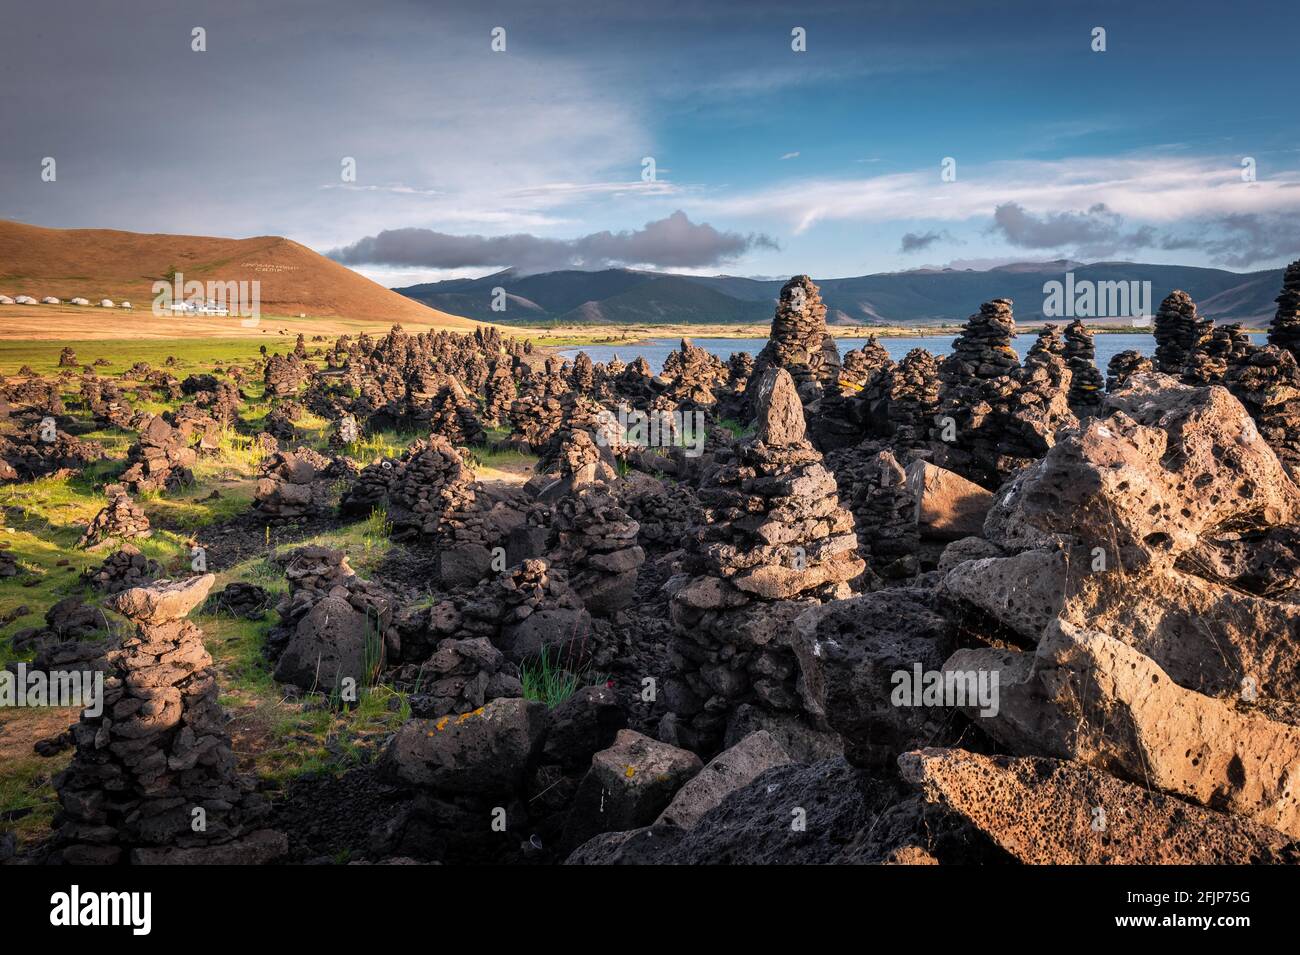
{"points": [[106, 263]]}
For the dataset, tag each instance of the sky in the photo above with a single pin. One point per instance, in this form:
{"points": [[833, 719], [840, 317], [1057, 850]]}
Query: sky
{"points": [[677, 136]]}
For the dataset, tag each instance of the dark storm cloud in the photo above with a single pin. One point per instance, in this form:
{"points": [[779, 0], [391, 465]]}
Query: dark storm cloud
{"points": [[672, 242], [1242, 240], [1096, 233]]}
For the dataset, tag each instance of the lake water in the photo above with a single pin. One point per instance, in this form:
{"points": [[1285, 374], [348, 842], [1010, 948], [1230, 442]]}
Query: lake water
{"points": [[656, 350]]}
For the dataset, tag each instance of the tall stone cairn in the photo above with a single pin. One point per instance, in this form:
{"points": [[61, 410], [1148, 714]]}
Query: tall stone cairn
{"points": [[1048, 342], [861, 365], [1226, 347], [121, 519], [1086, 382], [904, 399], [1285, 330], [771, 540], [153, 774], [1178, 331], [799, 342]]}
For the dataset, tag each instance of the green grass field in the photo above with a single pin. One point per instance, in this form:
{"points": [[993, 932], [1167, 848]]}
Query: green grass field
{"points": [[274, 735]]}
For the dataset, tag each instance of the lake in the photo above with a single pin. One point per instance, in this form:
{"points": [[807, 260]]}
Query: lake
{"points": [[656, 350]]}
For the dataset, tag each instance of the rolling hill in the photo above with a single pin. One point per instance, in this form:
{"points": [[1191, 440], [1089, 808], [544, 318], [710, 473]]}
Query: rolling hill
{"points": [[918, 297], [106, 263]]}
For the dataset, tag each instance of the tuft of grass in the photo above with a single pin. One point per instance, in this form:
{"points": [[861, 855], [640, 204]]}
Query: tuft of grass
{"points": [[546, 681]]}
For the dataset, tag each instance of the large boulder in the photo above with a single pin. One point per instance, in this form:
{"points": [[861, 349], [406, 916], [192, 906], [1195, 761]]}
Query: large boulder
{"points": [[1046, 812], [849, 652], [1089, 697], [332, 642], [628, 786], [728, 771], [478, 753], [948, 507], [1168, 464]]}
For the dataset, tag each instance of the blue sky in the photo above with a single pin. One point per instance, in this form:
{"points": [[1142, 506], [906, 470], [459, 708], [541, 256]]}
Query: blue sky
{"points": [[769, 162]]}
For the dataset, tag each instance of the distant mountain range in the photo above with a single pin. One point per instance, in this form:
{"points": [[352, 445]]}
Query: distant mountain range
{"points": [[919, 297]]}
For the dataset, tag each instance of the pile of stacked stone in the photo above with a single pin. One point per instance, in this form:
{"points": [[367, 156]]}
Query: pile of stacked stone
{"points": [[119, 520], [429, 482], [523, 611], [582, 414], [1267, 381], [283, 376], [583, 374], [1048, 342], [166, 386], [37, 395], [1179, 331], [8, 561], [332, 623], [297, 485], [596, 539], [536, 420], [901, 402], [153, 775], [1284, 332], [862, 365], [695, 374], [279, 421], [1227, 346], [202, 430], [240, 599], [106, 402], [26, 454], [67, 357], [222, 403], [122, 570], [1124, 365], [772, 539], [884, 515], [995, 417], [1086, 383], [976, 378], [499, 393], [459, 677], [344, 432], [453, 415], [637, 382], [799, 341], [161, 459], [664, 511]]}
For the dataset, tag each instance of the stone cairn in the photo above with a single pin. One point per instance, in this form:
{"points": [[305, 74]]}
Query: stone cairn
{"points": [[161, 459], [884, 514], [1285, 330], [1178, 332], [297, 484], [1226, 347], [67, 357], [125, 568], [499, 393], [597, 540], [1048, 342], [153, 774], [1085, 378], [1124, 365], [1267, 382], [119, 520], [772, 539], [799, 342], [282, 376], [861, 365], [903, 401], [460, 676], [976, 379]]}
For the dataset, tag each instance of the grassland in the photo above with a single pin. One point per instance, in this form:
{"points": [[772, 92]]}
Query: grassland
{"points": [[275, 735]]}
